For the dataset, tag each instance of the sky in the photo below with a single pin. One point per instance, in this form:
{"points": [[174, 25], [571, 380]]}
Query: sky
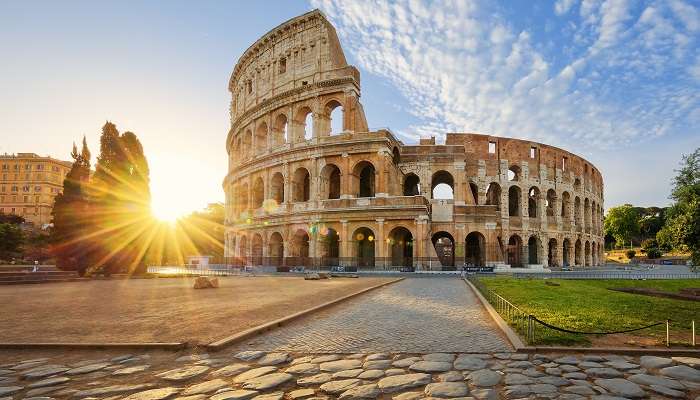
{"points": [[617, 82]]}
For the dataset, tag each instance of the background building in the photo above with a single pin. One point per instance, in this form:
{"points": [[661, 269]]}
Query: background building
{"points": [[28, 185]]}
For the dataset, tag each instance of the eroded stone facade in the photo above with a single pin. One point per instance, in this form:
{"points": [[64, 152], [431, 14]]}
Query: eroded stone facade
{"points": [[299, 192]]}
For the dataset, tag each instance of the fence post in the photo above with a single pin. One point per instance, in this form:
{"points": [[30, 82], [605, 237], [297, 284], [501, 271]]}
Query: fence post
{"points": [[668, 338], [693, 329]]}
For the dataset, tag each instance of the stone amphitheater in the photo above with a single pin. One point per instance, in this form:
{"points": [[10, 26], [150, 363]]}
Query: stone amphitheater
{"points": [[309, 184]]}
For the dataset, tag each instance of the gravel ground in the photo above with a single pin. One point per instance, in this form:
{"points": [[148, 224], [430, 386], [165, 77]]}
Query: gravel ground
{"points": [[158, 310]]}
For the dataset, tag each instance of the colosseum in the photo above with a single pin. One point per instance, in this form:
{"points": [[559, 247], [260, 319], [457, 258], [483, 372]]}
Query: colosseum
{"points": [[309, 184]]}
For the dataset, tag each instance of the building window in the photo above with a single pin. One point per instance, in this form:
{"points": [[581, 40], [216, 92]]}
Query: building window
{"points": [[27, 177], [25, 188], [4, 167], [13, 210], [37, 188], [2, 199], [283, 65], [533, 152], [40, 167], [15, 188], [3, 188], [25, 199], [36, 199], [492, 147], [27, 167]]}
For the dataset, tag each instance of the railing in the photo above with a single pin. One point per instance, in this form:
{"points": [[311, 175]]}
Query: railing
{"points": [[520, 320], [607, 275], [536, 331]]}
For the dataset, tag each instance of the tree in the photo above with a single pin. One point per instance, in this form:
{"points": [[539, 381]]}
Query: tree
{"points": [[71, 216], [682, 229], [630, 254], [11, 241], [622, 223], [120, 197]]}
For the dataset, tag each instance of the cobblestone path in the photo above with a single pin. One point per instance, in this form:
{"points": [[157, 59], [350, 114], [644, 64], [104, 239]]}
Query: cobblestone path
{"points": [[416, 315]]}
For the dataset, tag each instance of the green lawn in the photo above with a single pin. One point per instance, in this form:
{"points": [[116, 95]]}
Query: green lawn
{"points": [[587, 305]]}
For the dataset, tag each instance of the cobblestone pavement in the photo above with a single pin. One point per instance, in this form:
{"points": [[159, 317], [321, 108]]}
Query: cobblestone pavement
{"points": [[258, 375], [415, 315]]}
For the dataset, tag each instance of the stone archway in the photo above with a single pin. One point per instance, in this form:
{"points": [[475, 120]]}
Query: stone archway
{"points": [[401, 247], [475, 249], [364, 247]]}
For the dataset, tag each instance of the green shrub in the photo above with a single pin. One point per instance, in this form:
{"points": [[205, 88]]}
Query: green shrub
{"points": [[630, 254]]}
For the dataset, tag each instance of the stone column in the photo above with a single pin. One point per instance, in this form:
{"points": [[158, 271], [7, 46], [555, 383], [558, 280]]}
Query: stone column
{"points": [[344, 245], [380, 245], [460, 238], [419, 241]]}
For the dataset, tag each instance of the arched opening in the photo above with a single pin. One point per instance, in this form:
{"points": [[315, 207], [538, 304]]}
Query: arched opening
{"points": [[364, 247], [442, 186], [514, 173], [401, 247], [411, 185], [305, 121], [493, 195], [257, 250], [280, 131], [552, 253], [329, 241], [444, 245], [300, 248], [533, 202], [242, 198], [335, 111], [258, 193], [475, 250], [551, 201], [532, 250], [587, 258], [586, 213], [248, 144], [566, 255], [514, 201], [276, 249], [301, 185], [578, 253], [566, 205], [364, 179], [474, 189], [577, 211], [261, 138], [577, 184], [277, 188], [330, 182], [395, 156], [243, 250], [515, 251]]}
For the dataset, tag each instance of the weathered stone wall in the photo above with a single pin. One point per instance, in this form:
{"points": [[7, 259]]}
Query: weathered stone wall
{"points": [[299, 193]]}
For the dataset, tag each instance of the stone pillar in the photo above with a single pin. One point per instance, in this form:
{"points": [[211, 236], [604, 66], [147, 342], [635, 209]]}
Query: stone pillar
{"points": [[265, 249], [346, 178], [344, 245], [559, 253], [557, 211], [380, 245], [460, 238], [420, 242]]}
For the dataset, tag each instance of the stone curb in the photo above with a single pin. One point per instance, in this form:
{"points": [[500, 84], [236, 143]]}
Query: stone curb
{"points": [[227, 341], [80, 346], [510, 334]]}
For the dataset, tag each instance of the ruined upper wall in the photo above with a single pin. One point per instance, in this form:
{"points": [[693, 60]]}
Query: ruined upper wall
{"points": [[299, 52]]}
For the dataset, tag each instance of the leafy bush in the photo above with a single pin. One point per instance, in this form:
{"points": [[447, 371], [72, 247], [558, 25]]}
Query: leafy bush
{"points": [[630, 254], [653, 253]]}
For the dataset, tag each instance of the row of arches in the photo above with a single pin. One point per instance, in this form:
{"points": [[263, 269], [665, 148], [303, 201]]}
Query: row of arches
{"points": [[585, 213], [363, 184], [400, 249], [280, 129]]}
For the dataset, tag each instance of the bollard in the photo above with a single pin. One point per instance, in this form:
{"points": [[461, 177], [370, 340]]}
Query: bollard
{"points": [[668, 339]]}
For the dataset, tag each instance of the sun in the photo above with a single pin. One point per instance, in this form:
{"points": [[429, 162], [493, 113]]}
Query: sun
{"points": [[167, 212]]}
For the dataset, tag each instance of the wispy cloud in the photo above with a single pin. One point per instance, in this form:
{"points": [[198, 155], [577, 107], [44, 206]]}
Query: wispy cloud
{"points": [[612, 72]]}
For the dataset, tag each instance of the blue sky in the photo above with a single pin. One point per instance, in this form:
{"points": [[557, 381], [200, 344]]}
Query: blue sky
{"points": [[614, 81]]}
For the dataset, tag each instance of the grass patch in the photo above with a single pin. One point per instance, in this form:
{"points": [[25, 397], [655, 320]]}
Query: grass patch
{"points": [[588, 305]]}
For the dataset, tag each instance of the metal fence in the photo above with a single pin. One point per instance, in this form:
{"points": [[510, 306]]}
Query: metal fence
{"points": [[607, 275]]}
